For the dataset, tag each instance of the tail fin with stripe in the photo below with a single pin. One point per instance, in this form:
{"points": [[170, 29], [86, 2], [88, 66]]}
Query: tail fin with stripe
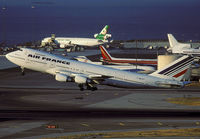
{"points": [[176, 69], [104, 30], [106, 56]]}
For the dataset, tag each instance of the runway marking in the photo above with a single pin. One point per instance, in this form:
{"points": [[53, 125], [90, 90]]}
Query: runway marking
{"points": [[116, 94], [189, 101], [184, 132], [159, 123], [121, 124], [84, 124]]}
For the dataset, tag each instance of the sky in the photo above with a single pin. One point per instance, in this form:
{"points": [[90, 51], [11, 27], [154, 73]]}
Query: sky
{"points": [[28, 20]]}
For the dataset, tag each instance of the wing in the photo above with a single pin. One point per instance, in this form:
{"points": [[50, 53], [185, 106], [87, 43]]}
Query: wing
{"points": [[81, 78]]}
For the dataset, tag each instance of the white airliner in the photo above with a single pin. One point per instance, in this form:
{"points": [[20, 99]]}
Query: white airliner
{"points": [[89, 75], [131, 68], [181, 48], [125, 61], [64, 42]]}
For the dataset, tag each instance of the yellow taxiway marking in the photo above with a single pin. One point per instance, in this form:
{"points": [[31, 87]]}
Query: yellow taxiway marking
{"points": [[193, 84], [187, 132], [190, 101]]}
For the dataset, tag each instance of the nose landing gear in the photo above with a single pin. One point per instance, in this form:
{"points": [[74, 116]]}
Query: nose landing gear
{"points": [[22, 71]]}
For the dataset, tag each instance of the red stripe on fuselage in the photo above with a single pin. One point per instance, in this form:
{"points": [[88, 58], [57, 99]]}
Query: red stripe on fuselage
{"points": [[133, 61]]}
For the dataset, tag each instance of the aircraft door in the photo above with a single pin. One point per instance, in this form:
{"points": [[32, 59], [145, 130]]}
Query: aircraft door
{"points": [[27, 59]]}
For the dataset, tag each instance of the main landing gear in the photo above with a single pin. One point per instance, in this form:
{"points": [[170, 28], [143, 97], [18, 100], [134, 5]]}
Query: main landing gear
{"points": [[81, 87], [88, 87]]}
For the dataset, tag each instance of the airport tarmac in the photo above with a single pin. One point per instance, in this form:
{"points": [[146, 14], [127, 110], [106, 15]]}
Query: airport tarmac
{"points": [[37, 106]]}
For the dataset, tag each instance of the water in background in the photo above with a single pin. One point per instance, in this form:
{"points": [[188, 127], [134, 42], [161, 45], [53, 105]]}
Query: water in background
{"points": [[28, 20]]}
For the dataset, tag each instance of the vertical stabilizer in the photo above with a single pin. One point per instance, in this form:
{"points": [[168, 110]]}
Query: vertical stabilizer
{"points": [[172, 41], [106, 56], [176, 69], [104, 30], [103, 34], [176, 46]]}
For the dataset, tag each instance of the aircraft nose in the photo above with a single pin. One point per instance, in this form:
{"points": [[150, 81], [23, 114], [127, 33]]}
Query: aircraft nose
{"points": [[7, 56]]}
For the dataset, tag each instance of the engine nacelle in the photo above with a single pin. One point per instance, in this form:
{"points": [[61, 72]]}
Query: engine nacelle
{"points": [[102, 37], [108, 36], [95, 35], [81, 79], [62, 45], [63, 78]]}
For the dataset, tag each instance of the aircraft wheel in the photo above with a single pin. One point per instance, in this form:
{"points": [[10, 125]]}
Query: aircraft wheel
{"points": [[81, 87], [94, 88], [23, 73], [88, 87]]}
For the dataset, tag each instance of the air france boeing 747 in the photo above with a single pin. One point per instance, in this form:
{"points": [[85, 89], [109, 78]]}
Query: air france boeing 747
{"points": [[90, 75]]}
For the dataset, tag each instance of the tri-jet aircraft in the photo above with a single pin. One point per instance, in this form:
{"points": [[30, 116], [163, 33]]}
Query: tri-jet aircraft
{"points": [[88, 75], [181, 48], [64, 42]]}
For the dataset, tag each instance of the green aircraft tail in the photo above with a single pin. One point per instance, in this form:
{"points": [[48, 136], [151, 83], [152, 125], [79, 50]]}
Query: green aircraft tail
{"points": [[103, 34]]}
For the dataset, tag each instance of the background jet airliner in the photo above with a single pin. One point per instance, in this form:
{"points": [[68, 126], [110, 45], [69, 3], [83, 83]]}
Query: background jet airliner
{"points": [[131, 68], [181, 48], [112, 60], [89, 75], [100, 38]]}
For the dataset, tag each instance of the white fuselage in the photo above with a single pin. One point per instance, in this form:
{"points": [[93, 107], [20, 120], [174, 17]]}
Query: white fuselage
{"points": [[185, 49], [65, 41], [191, 51], [52, 64]]}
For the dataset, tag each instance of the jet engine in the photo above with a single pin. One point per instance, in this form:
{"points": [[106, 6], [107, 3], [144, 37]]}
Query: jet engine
{"points": [[95, 35], [63, 78], [62, 45], [103, 37], [52, 40], [66, 44], [108, 36], [82, 79]]}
